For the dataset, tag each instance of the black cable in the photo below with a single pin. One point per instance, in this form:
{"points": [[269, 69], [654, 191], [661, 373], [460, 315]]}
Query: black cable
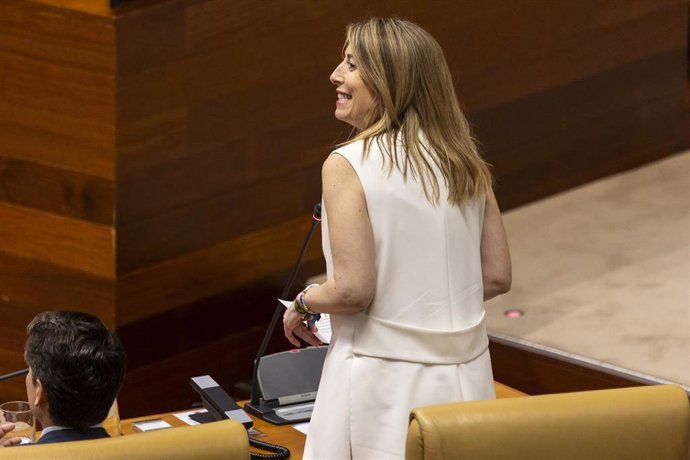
{"points": [[280, 451]]}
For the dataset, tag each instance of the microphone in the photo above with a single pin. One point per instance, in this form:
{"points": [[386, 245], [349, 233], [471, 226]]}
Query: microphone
{"points": [[254, 406], [14, 374]]}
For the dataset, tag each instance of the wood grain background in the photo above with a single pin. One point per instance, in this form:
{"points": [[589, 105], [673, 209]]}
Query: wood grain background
{"points": [[159, 161]]}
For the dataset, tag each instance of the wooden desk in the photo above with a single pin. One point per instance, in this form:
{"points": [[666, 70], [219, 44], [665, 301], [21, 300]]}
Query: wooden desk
{"points": [[282, 435], [504, 391]]}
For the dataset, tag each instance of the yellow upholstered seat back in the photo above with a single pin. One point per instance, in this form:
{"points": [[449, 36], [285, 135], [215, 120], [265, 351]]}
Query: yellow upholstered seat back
{"points": [[225, 440], [641, 423]]}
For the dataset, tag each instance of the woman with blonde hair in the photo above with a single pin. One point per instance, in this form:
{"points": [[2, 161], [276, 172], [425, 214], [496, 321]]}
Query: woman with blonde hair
{"points": [[413, 241]]}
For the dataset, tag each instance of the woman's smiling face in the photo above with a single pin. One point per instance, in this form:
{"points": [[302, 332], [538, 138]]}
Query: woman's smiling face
{"points": [[355, 103]]}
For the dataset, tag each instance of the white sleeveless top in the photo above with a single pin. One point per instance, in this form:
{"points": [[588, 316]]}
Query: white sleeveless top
{"points": [[428, 305]]}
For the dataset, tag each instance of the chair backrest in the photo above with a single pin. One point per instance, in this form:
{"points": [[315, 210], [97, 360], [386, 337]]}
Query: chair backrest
{"points": [[640, 423], [225, 440]]}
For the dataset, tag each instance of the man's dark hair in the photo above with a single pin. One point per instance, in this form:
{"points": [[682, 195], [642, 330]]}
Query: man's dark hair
{"points": [[80, 363]]}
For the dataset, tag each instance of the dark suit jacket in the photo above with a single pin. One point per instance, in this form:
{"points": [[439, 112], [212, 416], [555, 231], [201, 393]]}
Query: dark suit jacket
{"points": [[73, 435]]}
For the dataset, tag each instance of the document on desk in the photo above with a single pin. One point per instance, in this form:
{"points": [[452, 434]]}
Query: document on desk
{"points": [[302, 428], [323, 324]]}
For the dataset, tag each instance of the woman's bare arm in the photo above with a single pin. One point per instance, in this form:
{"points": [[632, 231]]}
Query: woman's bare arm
{"points": [[496, 266], [352, 287]]}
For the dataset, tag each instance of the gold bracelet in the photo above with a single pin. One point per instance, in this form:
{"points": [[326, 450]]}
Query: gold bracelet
{"points": [[299, 308], [300, 299], [306, 316]]}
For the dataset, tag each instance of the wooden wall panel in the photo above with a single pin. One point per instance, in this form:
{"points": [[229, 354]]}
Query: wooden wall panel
{"points": [[62, 241], [94, 7], [173, 374], [57, 168], [639, 120], [56, 191], [214, 220], [38, 285], [505, 51], [58, 104], [204, 274]]}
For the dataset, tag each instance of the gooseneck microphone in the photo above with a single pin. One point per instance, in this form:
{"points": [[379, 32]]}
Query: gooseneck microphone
{"points": [[14, 374], [254, 405]]}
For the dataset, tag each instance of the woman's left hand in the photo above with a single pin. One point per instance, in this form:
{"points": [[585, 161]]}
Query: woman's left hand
{"points": [[294, 327]]}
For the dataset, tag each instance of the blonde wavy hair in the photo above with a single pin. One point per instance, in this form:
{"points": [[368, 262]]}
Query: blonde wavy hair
{"points": [[416, 109]]}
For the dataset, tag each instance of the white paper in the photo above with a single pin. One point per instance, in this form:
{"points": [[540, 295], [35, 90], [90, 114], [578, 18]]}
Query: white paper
{"points": [[323, 324], [151, 425], [302, 427]]}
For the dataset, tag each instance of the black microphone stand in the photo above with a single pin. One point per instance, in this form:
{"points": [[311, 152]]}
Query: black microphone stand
{"points": [[14, 374], [254, 405]]}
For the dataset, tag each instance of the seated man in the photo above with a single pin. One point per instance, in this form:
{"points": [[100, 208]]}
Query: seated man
{"points": [[76, 369]]}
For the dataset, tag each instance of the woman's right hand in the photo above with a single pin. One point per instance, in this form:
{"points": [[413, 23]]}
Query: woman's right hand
{"points": [[294, 327]]}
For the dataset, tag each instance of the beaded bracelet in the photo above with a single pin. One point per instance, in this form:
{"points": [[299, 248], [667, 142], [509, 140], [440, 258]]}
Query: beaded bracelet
{"points": [[308, 317], [301, 304]]}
